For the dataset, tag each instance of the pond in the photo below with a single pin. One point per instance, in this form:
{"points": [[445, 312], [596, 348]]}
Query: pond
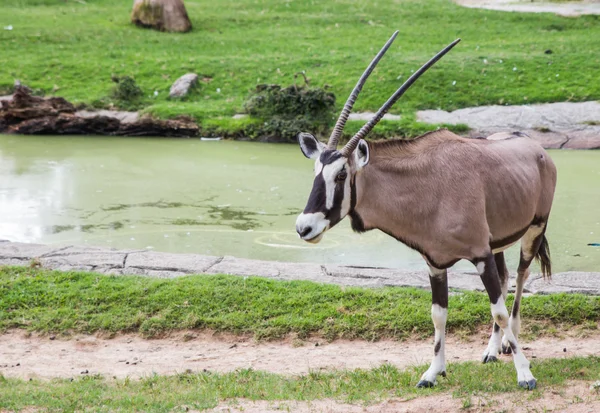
{"points": [[227, 198]]}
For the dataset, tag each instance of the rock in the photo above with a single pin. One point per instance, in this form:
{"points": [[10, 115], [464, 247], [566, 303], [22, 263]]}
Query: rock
{"points": [[163, 15], [566, 9], [182, 86], [549, 140], [584, 140], [564, 125]]}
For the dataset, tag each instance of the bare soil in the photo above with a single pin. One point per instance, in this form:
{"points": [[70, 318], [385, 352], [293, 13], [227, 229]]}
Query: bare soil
{"points": [[25, 355]]}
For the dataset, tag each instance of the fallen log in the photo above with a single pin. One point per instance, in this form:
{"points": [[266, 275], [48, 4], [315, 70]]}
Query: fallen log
{"points": [[33, 115]]}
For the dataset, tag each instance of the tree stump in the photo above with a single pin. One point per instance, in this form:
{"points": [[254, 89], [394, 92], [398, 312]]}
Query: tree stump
{"points": [[163, 15]]}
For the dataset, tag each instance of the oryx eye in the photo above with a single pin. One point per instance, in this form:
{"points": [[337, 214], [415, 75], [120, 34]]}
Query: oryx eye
{"points": [[341, 176]]}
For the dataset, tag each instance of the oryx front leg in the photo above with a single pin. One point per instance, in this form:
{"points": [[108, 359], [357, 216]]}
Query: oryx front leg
{"points": [[493, 348], [439, 312], [489, 275]]}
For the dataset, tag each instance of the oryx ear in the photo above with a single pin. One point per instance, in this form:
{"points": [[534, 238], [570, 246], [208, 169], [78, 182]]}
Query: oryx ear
{"points": [[361, 154], [311, 147]]}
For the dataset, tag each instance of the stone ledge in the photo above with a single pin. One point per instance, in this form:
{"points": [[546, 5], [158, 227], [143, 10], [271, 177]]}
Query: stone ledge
{"points": [[111, 261]]}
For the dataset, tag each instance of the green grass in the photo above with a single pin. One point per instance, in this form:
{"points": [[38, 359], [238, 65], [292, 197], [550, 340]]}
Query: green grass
{"points": [[206, 390], [57, 302], [77, 46]]}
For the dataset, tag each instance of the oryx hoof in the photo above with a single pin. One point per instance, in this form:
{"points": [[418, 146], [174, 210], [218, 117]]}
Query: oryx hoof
{"points": [[528, 385], [489, 359], [506, 349], [425, 384]]}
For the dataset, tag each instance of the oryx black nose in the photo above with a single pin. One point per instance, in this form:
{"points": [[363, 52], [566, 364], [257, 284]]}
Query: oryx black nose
{"points": [[303, 231]]}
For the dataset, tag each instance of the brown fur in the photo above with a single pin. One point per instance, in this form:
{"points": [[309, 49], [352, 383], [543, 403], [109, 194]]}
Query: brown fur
{"points": [[449, 197]]}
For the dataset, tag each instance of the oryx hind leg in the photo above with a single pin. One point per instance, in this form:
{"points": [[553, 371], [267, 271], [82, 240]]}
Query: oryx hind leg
{"points": [[494, 348], [486, 266], [530, 245], [439, 313]]}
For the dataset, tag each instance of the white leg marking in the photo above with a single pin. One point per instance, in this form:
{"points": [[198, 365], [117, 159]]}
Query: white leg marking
{"points": [[493, 348], [480, 267], [524, 376], [494, 345], [439, 316], [514, 322]]}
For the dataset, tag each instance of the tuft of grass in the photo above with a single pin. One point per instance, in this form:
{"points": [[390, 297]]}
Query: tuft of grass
{"points": [[55, 302], [291, 110], [255, 128], [206, 389]]}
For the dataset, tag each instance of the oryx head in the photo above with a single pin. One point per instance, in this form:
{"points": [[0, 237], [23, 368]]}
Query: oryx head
{"points": [[333, 193]]}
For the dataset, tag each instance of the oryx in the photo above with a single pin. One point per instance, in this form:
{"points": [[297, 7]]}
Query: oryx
{"points": [[449, 198]]}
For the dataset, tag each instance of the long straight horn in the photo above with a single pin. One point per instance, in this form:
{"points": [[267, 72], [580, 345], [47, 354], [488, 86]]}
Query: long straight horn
{"points": [[339, 125], [351, 145]]}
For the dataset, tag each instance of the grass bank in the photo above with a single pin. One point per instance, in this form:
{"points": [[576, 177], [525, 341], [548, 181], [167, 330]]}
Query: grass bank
{"points": [[56, 302], [72, 49], [206, 390]]}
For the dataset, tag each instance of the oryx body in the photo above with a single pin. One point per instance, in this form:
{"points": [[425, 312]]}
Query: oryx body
{"points": [[448, 197]]}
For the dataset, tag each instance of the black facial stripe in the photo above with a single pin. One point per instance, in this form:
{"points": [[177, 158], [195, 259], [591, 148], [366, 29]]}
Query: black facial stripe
{"points": [[317, 198], [329, 156], [352, 193]]}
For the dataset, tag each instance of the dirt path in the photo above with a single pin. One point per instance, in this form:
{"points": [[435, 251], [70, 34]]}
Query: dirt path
{"points": [[575, 398], [26, 356]]}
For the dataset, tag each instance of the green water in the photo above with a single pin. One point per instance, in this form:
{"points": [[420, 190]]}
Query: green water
{"points": [[226, 198]]}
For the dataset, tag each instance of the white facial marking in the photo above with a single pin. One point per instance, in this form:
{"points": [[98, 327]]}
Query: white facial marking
{"points": [[318, 167], [316, 222], [330, 171]]}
